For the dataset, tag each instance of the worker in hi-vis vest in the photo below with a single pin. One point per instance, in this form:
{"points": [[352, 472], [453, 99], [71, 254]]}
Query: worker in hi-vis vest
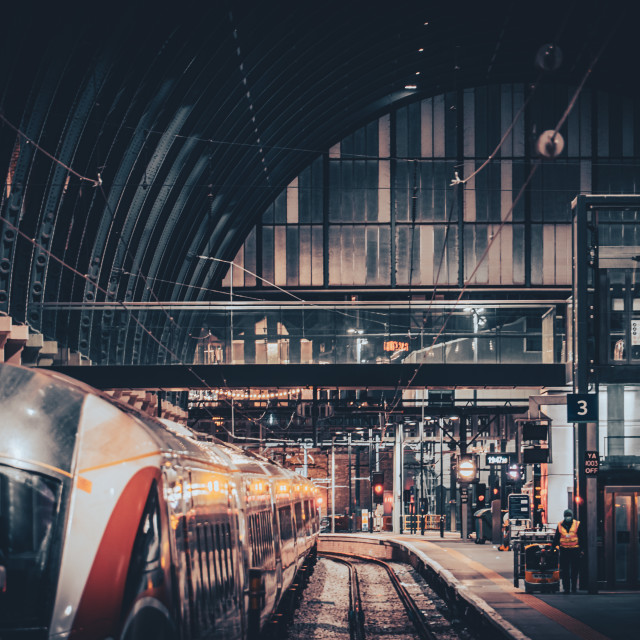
{"points": [[570, 539]]}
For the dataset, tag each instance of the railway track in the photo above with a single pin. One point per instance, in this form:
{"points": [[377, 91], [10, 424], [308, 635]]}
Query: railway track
{"points": [[356, 611], [357, 623]]}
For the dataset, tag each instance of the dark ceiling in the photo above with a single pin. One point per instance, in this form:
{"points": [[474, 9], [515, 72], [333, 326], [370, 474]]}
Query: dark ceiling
{"points": [[196, 114]]}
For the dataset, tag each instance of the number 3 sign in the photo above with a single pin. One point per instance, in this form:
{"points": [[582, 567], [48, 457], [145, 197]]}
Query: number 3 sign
{"points": [[582, 407]]}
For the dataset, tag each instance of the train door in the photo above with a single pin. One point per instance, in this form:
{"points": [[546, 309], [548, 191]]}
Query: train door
{"points": [[277, 545], [200, 621], [174, 482], [622, 537]]}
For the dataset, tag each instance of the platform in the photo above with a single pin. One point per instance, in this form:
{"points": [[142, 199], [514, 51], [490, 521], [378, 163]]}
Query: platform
{"points": [[485, 575]]}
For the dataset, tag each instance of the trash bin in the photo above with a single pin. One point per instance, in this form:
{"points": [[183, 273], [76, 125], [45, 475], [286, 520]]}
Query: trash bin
{"points": [[541, 568], [482, 521]]}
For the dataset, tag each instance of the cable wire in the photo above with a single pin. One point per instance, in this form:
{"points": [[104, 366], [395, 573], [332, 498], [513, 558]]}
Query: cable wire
{"points": [[95, 183]]}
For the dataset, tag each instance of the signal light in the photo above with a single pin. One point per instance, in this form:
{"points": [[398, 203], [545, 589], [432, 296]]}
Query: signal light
{"points": [[481, 490], [377, 482], [495, 490], [467, 469]]}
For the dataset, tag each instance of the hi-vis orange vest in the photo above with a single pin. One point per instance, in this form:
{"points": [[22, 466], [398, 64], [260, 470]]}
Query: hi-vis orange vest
{"points": [[569, 539]]}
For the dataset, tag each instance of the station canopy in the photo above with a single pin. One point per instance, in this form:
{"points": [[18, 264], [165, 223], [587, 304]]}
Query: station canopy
{"points": [[174, 126]]}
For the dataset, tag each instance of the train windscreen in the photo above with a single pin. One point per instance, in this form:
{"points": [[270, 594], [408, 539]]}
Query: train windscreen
{"points": [[29, 524], [39, 418]]}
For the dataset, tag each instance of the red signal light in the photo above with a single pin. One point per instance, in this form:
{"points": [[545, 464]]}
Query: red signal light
{"points": [[480, 498], [378, 489]]}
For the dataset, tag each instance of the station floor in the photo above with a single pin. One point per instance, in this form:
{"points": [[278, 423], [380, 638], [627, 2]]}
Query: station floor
{"points": [[488, 574]]}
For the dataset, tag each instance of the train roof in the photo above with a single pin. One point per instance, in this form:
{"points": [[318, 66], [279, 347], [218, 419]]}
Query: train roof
{"points": [[44, 411]]}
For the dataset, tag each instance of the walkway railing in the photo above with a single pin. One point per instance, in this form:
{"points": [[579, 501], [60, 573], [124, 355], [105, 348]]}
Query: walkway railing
{"points": [[439, 332]]}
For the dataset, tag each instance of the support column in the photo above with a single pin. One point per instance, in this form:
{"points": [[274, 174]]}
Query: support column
{"points": [[453, 503], [350, 514], [397, 479], [333, 486], [586, 433]]}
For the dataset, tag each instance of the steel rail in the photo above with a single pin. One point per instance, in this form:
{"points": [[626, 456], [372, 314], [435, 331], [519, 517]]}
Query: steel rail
{"points": [[413, 611], [356, 612]]}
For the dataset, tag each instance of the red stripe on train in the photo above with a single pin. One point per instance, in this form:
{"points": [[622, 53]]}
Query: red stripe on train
{"points": [[100, 608]]}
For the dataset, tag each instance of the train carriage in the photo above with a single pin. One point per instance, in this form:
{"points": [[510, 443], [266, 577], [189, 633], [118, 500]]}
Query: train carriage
{"points": [[117, 525]]}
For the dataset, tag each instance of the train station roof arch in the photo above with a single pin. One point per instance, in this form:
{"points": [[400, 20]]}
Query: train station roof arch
{"points": [[137, 136]]}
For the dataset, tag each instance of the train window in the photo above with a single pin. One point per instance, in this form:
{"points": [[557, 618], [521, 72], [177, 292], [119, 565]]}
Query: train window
{"points": [[204, 566], [208, 560], [256, 545], [258, 538], [299, 521], [189, 573], [215, 562], [144, 566], [229, 557], [230, 550], [219, 559], [196, 571], [252, 540], [307, 516], [263, 541], [265, 524], [29, 525], [286, 528], [271, 540], [223, 565]]}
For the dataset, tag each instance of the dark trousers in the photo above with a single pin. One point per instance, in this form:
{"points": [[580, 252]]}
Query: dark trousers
{"points": [[569, 568]]}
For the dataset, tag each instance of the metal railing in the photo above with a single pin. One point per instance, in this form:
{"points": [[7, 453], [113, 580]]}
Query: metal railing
{"points": [[414, 522], [438, 332]]}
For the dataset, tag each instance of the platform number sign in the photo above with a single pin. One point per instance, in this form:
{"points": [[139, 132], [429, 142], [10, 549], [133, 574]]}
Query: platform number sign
{"points": [[582, 407], [591, 463]]}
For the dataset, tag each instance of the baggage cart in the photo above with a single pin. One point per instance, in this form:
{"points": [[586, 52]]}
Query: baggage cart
{"points": [[519, 541]]}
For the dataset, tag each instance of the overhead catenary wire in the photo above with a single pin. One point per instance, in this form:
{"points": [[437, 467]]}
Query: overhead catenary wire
{"points": [[124, 306], [287, 292]]}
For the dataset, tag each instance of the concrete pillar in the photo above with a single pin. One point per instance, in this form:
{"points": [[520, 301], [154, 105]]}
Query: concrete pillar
{"points": [[15, 343], [146, 401], [32, 349], [48, 353], [5, 330], [397, 480]]}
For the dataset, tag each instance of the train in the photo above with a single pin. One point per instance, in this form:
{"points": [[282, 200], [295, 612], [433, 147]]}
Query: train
{"points": [[118, 525]]}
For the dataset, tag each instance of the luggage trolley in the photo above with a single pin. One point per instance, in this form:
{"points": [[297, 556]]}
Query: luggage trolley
{"points": [[535, 562]]}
